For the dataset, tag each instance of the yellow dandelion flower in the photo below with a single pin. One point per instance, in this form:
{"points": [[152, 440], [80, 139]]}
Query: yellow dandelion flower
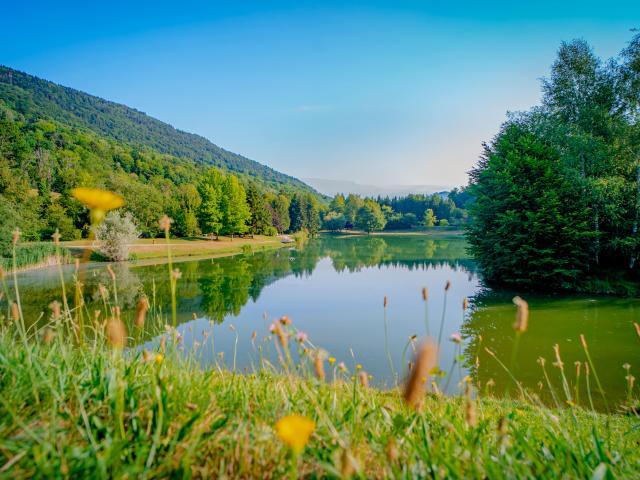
{"points": [[159, 358], [295, 430], [358, 367], [96, 199], [332, 360]]}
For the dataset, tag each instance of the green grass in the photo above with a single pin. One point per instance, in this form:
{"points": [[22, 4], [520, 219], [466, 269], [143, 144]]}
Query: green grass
{"points": [[73, 406], [34, 254], [89, 412]]}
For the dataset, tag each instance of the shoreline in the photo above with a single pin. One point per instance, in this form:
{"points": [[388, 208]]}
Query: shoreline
{"points": [[435, 232], [153, 253]]}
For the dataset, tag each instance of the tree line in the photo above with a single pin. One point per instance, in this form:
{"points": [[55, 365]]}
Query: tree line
{"points": [[557, 191], [397, 213]]}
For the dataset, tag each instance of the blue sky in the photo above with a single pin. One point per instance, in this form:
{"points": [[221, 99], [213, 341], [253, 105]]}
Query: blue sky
{"points": [[373, 92]]}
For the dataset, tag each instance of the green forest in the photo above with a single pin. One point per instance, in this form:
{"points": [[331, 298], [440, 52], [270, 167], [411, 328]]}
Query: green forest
{"points": [[557, 191], [53, 139], [397, 213]]}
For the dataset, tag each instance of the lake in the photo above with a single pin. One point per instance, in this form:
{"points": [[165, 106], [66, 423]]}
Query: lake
{"points": [[333, 290]]}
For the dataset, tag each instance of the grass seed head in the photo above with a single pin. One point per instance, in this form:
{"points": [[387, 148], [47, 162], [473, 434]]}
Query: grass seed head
{"points": [[141, 312], [47, 336], [558, 363], [283, 337], [15, 312], [583, 341], [447, 286], [425, 362], [15, 236], [522, 315], [385, 302], [112, 274], [55, 309], [425, 293], [318, 366], [165, 224], [470, 414], [116, 333], [364, 378]]}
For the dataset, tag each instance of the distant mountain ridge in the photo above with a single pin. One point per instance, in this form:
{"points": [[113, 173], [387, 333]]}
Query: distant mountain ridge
{"points": [[332, 187], [36, 98]]}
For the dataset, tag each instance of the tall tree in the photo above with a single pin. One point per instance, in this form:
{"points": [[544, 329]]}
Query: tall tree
{"points": [[312, 217], [260, 219], [280, 213], [210, 211], [337, 203], [234, 207], [524, 231], [298, 211], [186, 218], [370, 217], [353, 204], [429, 218]]}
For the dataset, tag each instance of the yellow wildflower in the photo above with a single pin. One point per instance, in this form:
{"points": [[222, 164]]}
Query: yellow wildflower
{"points": [[96, 199], [295, 430], [358, 367], [332, 360], [159, 358]]}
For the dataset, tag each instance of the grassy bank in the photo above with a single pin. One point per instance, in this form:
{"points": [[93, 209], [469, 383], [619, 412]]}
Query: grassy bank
{"points": [[80, 398], [69, 411], [148, 248]]}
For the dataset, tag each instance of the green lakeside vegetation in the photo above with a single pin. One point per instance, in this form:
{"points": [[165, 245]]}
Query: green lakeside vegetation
{"points": [[93, 412], [76, 400], [557, 191]]}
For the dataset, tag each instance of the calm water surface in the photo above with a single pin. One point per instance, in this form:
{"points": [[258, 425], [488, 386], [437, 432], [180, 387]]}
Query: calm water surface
{"points": [[333, 289]]}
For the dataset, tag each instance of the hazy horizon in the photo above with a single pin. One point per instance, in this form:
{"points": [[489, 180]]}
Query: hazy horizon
{"points": [[379, 93]]}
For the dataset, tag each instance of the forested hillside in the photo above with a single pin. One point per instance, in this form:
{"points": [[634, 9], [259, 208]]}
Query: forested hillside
{"points": [[54, 139], [34, 99]]}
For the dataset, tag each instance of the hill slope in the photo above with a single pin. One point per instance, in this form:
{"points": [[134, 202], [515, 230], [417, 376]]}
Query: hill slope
{"points": [[35, 98]]}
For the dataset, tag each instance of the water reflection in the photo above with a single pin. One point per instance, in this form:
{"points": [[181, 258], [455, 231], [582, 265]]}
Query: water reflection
{"points": [[333, 290], [219, 288], [606, 323]]}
